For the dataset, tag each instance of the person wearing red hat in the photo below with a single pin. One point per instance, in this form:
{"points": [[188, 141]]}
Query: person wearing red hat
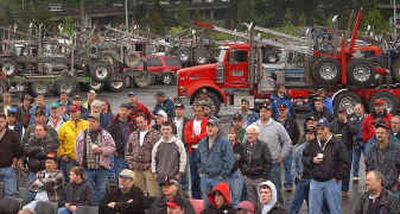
{"points": [[67, 136], [220, 200], [378, 113]]}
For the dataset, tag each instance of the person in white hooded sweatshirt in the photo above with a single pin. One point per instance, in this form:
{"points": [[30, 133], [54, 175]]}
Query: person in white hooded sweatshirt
{"points": [[268, 199]]}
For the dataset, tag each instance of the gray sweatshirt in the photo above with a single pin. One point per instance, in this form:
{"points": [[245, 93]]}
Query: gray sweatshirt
{"points": [[276, 137]]}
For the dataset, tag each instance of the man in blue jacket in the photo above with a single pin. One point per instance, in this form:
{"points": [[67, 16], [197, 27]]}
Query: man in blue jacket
{"points": [[216, 159]]}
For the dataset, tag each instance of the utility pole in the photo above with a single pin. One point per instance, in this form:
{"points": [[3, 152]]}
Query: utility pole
{"points": [[394, 19], [126, 16], [82, 10]]}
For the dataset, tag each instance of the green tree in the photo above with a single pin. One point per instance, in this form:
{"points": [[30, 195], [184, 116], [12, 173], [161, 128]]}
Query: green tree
{"points": [[376, 20]]}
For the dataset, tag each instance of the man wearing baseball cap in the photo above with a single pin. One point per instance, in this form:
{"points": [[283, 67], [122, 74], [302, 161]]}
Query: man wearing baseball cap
{"points": [[379, 112], [137, 108], [327, 160], [124, 199], [164, 103], [67, 136]]}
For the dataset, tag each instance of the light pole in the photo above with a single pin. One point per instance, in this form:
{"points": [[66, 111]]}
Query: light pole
{"points": [[394, 18], [126, 16]]}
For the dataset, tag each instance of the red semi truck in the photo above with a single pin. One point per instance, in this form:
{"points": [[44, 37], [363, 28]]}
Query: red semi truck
{"points": [[239, 71]]}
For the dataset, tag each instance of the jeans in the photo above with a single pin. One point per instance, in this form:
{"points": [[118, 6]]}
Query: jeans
{"points": [[185, 180], [206, 185], [119, 165], [65, 167], [275, 177], [29, 179], [301, 194], [287, 162], [63, 210], [328, 191], [236, 183], [347, 174], [251, 188], [97, 178], [194, 175], [357, 150], [9, 178]]}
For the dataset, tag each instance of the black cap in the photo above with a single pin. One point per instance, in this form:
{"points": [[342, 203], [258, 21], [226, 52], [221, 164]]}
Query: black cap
{"points": [[237, 116], [311, 117], [167, 180], [265, 105], [132, 94], [179, 105], [381, 124]]}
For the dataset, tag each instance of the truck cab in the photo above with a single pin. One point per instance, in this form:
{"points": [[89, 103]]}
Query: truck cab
{"points": [[229, 75]]}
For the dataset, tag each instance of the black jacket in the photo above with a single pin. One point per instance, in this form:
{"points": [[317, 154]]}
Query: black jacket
{"points": [[78, 194], [334, 164], [160, 205], [126, 203], [238, 155], [388, 204], [257, 160], [222, 210], [117, 132], [37, 150], [292, 129], [347, 130]]}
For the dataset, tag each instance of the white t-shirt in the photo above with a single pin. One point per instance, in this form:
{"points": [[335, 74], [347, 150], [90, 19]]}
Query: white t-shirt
{"points": [[179, 127], [142, 135], [197, 127]]}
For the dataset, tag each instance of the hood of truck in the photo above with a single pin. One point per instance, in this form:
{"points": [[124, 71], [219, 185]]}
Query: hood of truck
{"points": [[190, 77]]}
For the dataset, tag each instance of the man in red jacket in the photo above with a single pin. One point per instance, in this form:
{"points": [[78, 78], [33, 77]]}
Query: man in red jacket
{"points": [[137, 107], [379, 113], [195, 130]]}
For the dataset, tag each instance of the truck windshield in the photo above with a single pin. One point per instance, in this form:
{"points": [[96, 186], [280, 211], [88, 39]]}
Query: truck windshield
{"points": [[221, 56]]}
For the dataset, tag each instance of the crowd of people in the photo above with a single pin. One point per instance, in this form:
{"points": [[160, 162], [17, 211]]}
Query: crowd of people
{"points": [[79, 157]]}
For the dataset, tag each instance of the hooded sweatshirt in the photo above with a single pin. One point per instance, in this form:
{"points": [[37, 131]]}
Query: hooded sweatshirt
{"points": [[227, 208], [272, 206], [276, 137]]}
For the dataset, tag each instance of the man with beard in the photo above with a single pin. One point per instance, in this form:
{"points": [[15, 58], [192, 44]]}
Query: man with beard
{"points": [[376, 199], [379, 113]]}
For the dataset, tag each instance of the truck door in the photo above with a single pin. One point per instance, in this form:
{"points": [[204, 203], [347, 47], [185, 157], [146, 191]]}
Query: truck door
{"points": [[237, 69]]}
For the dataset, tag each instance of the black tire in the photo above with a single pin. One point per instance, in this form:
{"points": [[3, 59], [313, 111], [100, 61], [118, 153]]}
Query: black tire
{"points": [[168, 78], [326, 71], [396, 70], [96, 86], [347, 100], [9, 67], [391, 101], [215, 99], [143, 79], [39, 88], [361, 72], [100, 71], [67, 86], [128, 82], [116, 85]]}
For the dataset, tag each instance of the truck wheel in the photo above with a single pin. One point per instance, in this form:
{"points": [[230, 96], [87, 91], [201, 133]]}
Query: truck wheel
{"points": [[39, 88], [360, 72], [143, 79], [128, 81], [396, 70], [100, 71], [96, 86], [392, 103], [326, 71], [9, 67], [67, 86], [347, 100], [168, 78]]}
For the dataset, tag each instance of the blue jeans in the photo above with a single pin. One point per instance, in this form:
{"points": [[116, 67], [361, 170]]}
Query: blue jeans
{"points": [[194, 175], [97, 178], [347, 174], [63, 210], [185, 180], [328, 191], [9, 178], [301, 194], [119, 165], [356, 158], [236, 183], [29, 179], [275, 177], [207, 184], [65, 167], [287, 163]]}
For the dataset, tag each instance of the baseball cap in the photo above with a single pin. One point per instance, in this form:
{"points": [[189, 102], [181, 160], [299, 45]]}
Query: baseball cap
{"points": [[126, 173], [95, 116], [311, 117], [265, 105], [77, 97], [92, 91], [160, 94], [213, 121], [74, 109], [379, 102], [179, 105], [55, 105], [132, 94], [282, 106], [381, 124], [323, 122], [167, 180], [162, 113]]}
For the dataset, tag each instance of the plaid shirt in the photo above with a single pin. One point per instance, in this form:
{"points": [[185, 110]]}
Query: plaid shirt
{"points": [[107, 145], [139, 157]]}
